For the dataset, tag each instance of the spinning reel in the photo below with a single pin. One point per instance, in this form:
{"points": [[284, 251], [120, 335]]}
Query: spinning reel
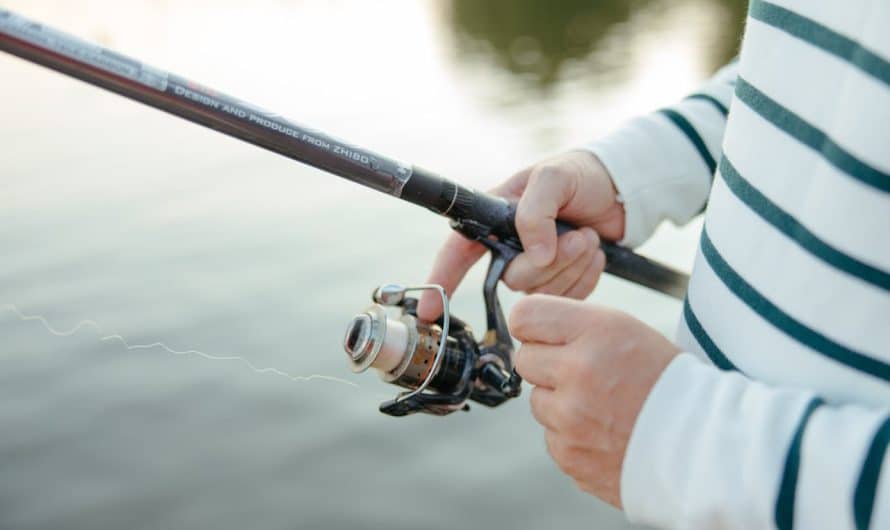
{"points": [[440, 363]]}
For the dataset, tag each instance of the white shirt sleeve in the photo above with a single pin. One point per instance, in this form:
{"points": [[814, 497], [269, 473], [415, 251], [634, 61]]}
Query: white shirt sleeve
{"points": [[663, 164], [713, 449]]}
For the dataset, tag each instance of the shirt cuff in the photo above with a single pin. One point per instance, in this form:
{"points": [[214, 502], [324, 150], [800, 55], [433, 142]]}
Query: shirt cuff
{"points": [[658, 174], [708, 449]]}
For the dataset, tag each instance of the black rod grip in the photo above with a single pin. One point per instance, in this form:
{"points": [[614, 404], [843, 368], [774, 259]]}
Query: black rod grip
{"points": [[620, 261], [462, 204]]}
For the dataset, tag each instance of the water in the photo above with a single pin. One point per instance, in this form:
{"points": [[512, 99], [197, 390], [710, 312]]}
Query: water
{"points": [[159, 230]]}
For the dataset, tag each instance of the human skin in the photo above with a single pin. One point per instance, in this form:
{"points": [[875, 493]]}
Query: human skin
{"points": [[574, 187], [592, 367]]}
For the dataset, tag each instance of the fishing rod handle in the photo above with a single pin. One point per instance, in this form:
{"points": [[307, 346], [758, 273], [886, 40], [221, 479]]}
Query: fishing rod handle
{"points": [[484, 214], [627, 264]]}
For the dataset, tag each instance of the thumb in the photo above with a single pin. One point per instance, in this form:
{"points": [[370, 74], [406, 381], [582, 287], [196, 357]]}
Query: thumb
{"points": [[547, 191], [455, 258]]}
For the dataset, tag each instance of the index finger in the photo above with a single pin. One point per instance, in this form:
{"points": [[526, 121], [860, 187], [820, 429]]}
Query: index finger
{"points": [[454, 259], [459, 254], [546, 319]]}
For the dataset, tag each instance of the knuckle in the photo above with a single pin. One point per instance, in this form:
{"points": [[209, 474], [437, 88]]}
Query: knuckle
{"points": [[538, 408], [581, 369], [519, 285], [523, 314], [594, 277], [526, 219], [591, 281], [514, 280], [522, 274], [600, 260], [520, 316], [567, 460], [594, 239], [589, 285], [576, 272], [570, 420], [534, 399], [548, 174], [557, 449], [548, 171], [548, 288], [590, 277], [567, 465], [561, 416], [576, 432], [591, 247], [584, 486], [572, 246]]}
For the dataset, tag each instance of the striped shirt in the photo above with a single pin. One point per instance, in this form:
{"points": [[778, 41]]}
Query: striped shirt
{"points": [[779, 414]]}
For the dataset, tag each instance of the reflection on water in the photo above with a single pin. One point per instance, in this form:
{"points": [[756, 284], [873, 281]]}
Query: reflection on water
{"points": [[165, 232], [537, 40]]}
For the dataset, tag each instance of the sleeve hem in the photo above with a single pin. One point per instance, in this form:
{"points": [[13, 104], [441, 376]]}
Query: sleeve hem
{"points": [[620, 168]]}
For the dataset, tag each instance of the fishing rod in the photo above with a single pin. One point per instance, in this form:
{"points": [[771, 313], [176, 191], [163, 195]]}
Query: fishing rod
{"points": [[440, 363]]}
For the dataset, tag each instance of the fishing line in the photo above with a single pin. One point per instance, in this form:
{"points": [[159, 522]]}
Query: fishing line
{"points": [[114, 337]]}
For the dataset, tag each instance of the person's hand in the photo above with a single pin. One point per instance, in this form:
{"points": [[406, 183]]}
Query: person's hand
{"points": [[592, 369], [573, 187]]}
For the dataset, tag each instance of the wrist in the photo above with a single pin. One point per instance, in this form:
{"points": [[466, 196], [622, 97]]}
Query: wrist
{"points": [[619, 169]]}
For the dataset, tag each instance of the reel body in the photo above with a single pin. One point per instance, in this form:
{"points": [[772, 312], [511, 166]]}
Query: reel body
{"points": [[440, 364]]}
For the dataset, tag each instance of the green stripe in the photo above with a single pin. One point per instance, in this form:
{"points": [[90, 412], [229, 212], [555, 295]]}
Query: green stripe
{"points": [[721, 108], [822, 37], [788, 486], [810, 136], [784, 322], [704, 340], [797, 232], [693, 137], [867, 485]]}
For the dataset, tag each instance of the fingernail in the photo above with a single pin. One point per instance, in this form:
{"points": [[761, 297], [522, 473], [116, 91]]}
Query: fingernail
{"points": [[538, 254]]}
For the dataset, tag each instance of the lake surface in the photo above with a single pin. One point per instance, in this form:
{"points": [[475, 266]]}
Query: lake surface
{"points": [[158, 230]]}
